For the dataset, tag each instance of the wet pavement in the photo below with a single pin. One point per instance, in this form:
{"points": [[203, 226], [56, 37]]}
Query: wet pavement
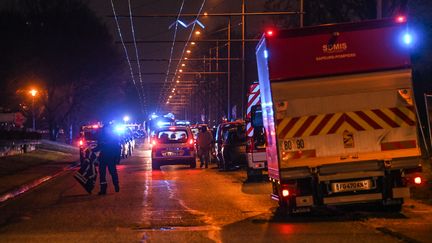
{"points": [[179, 204]]}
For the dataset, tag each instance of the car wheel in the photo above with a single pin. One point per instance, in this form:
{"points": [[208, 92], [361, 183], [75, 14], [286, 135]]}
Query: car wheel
{"points": [[193, 163], [225, 162]]}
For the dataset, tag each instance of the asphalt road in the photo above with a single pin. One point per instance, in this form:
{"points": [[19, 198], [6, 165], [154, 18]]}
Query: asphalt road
{"points": [[179, 204]]}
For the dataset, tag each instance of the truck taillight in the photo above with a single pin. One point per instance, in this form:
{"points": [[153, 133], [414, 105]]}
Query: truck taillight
{"points": [[269, 32], [285, 192], [417, 180]]}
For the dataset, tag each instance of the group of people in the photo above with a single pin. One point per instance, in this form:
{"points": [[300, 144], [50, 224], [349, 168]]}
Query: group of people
{"points": [[109, 149]]}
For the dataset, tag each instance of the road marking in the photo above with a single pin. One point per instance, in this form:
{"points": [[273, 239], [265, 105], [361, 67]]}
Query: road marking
{"points": [[26, 187]]}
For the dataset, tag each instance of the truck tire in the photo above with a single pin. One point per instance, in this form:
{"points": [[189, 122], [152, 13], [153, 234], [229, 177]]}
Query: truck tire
{"points": [[394, 207], [253, 174]]}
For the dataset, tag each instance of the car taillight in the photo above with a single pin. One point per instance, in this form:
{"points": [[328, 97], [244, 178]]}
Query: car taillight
{"points": [[81, 142], [153, 142], [191, 141], [417, 180]]}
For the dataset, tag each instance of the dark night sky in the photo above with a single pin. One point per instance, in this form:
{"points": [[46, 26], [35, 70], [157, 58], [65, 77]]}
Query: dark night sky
{"points": [[157, 29]]}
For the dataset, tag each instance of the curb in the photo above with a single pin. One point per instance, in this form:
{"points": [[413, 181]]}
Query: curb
{"points": [[28, 186]]}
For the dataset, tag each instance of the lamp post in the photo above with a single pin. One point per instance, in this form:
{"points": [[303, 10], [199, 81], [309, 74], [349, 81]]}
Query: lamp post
{"points": [[33, 93]]}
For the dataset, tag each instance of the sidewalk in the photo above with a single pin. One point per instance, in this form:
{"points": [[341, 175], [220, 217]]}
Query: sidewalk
{"points": [[34, 167]]}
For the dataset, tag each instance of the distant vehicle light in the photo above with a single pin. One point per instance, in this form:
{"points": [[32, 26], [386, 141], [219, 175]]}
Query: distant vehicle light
{"points": [[95, 126], [153, 143], [418, 180], [401, 19], [161, 124], [191, 141], [285, 193], [81, 142], [120, 129], [269, 32]]}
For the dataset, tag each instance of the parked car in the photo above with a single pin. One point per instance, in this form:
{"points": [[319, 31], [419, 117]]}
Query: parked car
{"points": [[230, 146], [173, 145]]}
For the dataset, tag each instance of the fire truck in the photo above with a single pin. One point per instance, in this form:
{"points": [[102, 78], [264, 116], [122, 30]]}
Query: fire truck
{"points": [[339, 113], [255, 146]]}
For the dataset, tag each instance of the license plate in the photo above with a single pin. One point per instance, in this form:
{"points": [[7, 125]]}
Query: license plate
{"points": [[169, 154], [351, 186]]}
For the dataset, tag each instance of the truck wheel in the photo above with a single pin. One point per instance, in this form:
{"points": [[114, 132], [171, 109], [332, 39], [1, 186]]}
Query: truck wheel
{"points": [[193, 163], [395, 207], [253, 174]]}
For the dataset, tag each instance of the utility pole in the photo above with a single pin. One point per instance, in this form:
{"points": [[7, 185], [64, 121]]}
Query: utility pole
{"points": [[243, 76], [229, 71]]}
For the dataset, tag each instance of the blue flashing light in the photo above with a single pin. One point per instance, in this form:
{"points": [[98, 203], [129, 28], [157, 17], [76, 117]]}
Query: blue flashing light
{"points": [[119, 129], [162, 124], [407, 38], [265, 54]]}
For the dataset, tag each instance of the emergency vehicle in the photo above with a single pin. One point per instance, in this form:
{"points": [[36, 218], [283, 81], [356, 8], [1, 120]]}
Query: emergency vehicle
{"points": [[89, 134], [255, 146], [339, 113]]}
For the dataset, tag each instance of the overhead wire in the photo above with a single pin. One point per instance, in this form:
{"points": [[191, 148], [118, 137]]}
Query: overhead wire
{"points": [[136, 53], [190, 36], [126, 54], [171, 52]]}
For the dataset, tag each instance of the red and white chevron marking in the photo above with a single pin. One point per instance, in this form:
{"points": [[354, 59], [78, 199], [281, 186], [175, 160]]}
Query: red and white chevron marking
{"points": [[337, 123], [253, 99]]}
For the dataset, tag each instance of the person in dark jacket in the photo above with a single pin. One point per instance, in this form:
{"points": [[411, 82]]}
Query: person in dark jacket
{"points": [[204, 143], [109, 147]]}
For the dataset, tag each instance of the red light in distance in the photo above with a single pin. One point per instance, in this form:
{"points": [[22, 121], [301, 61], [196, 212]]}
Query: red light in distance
{"points": [[81, 142], [401, 19], [191, 141], [418, 180], [270, 32]]}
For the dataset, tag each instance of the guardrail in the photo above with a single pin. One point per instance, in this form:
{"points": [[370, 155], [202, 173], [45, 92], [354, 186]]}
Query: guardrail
{"points": [[14, 147]]}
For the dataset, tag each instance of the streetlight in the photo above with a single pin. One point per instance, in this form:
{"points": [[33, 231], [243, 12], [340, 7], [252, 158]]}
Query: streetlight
{"points": [[33, 93], [126, 118]]}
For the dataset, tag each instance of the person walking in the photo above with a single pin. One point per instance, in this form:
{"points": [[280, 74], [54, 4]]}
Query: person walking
{"points": [[204, 143], [110, 149]]}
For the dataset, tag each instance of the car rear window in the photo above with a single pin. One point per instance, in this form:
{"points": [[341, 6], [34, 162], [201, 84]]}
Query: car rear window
{"points": [[168, 136], [91, 134]]}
